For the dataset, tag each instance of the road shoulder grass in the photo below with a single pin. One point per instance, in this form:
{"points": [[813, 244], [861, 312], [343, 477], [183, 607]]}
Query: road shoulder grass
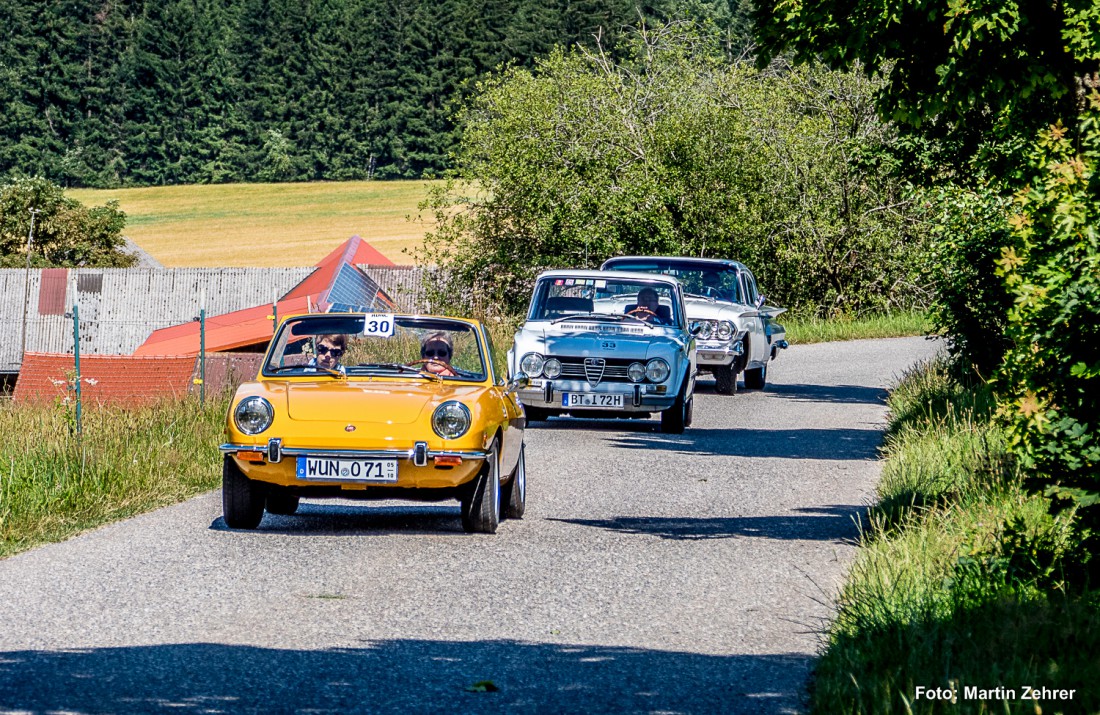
{"points": [[54, 485], [959, 584], [898, 324]]}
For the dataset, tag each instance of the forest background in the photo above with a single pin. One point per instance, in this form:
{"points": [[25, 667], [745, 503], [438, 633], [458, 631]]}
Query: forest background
{"points": [[106, 93]]}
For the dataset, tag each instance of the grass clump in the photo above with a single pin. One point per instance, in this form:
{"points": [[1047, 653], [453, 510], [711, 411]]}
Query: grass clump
{"points": [[811, 329], [129, 460], [961, 580]]}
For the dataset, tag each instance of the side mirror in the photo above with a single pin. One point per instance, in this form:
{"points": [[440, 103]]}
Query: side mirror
{"points": [[696, 328], [759, 301], [519, 382]]}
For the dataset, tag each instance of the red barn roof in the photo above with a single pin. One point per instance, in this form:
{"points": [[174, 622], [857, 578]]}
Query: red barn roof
{"points": [[337, 282], [228, 331]]}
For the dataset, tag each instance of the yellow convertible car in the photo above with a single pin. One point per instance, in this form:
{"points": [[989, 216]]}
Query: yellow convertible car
{"points": [[376, 406]]}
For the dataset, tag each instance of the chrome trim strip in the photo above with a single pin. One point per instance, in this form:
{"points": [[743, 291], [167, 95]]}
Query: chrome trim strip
{"points": [[354, 453]]}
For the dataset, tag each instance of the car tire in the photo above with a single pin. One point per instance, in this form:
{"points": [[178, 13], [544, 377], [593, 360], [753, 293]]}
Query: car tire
{"points": [[725, 379], [513, 495], [481, 503], [674, 420], [242, 498], [282, 502], [536, 414], [756, 377]]}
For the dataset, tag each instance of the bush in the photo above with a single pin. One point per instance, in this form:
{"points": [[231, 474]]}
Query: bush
{"points": [[970, 307], [1050, 384], [66, 233]]}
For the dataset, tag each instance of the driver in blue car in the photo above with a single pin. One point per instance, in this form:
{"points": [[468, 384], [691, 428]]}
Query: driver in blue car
{"points": [[648, 307]]}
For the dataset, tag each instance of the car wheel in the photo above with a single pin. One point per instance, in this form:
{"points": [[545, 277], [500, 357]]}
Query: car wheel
{"points": [[536, 414], [756, 377], [689, 411], [481, 504], [725, 379], [513, 495], [242, 498], [674, 420], [280, 501]]}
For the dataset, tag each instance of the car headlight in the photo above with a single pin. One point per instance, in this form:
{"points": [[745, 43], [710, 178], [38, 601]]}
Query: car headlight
{"points": [[706, 329], [532, 364], [636, 372], [451, 420], [725, 330], [551, 368], [253, 415], [657, 370]]}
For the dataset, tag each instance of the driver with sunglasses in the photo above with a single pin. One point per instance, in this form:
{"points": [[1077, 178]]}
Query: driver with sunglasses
{"points": [[436, 350], [329, 349]]}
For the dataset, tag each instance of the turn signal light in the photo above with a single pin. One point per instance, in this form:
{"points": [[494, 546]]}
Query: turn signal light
{"points": [[447, 461], [250, 456]]}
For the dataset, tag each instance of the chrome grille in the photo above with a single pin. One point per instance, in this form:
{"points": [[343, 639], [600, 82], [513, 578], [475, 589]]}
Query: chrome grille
{"points": [[593, 370], [574, 368]]}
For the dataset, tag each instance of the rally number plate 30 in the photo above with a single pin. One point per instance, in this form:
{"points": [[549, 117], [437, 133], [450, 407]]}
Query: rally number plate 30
{"points": [[362, 471]]}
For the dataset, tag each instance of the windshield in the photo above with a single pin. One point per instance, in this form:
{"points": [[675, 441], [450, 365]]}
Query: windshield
{"points": [[376, 344], [700, 279], [605, 299]]}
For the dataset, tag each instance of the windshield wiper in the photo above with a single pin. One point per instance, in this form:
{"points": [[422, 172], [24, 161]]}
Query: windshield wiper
{"points": [[306, 368], [711, 298], [418, 371], [391, 366]]}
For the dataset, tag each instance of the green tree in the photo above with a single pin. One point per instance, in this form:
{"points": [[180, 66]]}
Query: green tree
{"points": [[66, 233], [673, 151], [1025, 75]]}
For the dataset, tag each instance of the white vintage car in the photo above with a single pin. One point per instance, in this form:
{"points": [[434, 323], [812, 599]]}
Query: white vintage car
{"points": [[738, 331], [606, 344]]}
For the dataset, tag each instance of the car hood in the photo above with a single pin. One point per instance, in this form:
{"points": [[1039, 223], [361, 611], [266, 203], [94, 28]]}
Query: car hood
{"points": [[369, 402], [582, 340], [706, 309]]}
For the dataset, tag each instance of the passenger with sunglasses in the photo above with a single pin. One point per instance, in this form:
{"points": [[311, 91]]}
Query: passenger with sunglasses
{"points": [[329, 349]]}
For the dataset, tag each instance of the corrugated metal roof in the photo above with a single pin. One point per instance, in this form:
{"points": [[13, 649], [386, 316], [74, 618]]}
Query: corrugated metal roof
{"points": [[131, 304], [403, 284]]}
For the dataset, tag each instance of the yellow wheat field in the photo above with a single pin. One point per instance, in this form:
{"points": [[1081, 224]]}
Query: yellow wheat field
{"points": [[268, 224]]}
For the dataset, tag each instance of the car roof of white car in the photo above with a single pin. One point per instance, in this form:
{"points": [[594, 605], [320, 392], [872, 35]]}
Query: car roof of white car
{"points": [[716, 262], [588, 273]]}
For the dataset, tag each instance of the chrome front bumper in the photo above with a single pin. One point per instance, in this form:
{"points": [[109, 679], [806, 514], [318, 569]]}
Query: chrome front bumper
{"points": [[418, 455], [717, 353], [547, 394]]}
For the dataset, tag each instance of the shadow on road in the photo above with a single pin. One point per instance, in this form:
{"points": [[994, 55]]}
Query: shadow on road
{"points": [[840, 443], [397, 676], [369, 518], [829, 523], [837, 394]]}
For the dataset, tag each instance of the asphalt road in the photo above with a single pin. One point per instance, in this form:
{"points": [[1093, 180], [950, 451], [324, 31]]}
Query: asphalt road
{"points": [[652, 573]]}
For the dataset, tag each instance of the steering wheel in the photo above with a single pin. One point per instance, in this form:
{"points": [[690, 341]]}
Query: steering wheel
{"points": [[643, 312], [447, 370]]}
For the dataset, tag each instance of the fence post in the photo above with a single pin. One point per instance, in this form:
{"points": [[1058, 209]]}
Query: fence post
{"points": [[202, 348], [76, 358]]}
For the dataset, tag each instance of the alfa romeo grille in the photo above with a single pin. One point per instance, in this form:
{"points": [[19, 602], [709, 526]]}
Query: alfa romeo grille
{"points": [[593, 370], [575, 368]]}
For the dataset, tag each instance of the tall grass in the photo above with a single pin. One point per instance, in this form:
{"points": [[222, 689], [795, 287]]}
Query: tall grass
{"points": [[957, 582], [54, 485], [809, 329]]}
